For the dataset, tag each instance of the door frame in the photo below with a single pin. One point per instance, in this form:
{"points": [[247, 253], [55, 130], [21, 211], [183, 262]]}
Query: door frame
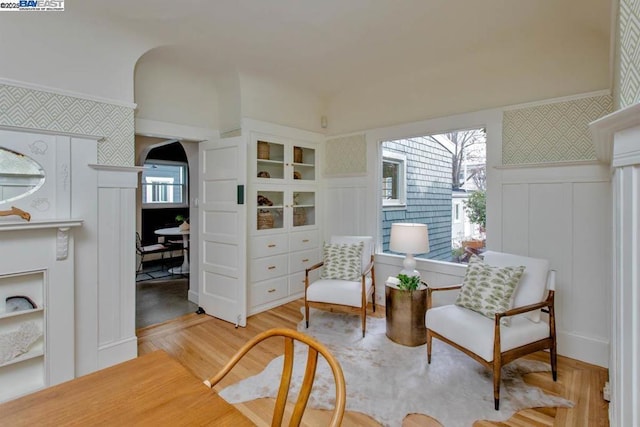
{"points": [[193, 135]]}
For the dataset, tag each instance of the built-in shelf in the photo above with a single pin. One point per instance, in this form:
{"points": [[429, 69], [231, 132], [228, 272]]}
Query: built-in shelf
{"points": [[29, 377], [37, 351], [7, 315]]}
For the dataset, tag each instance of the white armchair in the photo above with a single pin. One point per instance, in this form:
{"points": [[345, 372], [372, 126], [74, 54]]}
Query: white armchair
{"points": [[509, 334], [334, 291]]}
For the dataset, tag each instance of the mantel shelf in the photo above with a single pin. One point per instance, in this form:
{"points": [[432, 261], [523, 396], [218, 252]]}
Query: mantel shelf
{"points": [[39, 224]]}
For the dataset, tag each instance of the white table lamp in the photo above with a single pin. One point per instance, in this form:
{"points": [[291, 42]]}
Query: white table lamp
{"points": [[410, 239]]}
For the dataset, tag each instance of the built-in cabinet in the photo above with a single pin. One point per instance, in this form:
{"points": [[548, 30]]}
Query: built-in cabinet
{"points": [[22, 340], [284, 236]]}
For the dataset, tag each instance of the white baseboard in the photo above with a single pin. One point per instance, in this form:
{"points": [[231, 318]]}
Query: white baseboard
{"points": [[585, 349], [117, 352], [193, 296]]}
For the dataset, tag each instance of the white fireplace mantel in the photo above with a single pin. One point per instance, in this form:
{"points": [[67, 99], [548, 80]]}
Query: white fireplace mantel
{"points": [[63, 226], [33, 225], [616, 138]]}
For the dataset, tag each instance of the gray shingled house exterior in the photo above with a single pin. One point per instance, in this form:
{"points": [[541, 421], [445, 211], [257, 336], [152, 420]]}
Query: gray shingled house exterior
{"points": [[428, 193]]}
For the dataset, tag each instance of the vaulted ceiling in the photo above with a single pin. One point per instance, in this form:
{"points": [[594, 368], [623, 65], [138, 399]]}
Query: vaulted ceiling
{"points": [[326, 46]]}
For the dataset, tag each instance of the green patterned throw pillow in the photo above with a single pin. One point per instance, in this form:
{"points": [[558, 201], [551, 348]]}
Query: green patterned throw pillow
{"points": [[488, 290], [342, 261]]}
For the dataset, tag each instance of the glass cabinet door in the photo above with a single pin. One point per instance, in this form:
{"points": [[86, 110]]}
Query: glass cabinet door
{"points": [[269, 210], [304, 163], [304, 208], [270, 161]]}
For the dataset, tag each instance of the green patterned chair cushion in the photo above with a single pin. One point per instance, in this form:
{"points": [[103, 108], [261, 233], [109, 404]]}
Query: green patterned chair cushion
{"points": [[488, 290], [342, 261]]}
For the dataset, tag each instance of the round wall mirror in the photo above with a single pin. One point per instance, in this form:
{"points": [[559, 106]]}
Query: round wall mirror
{"points": [[20, 175]]}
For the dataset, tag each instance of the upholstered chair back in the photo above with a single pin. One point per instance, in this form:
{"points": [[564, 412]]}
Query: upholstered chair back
{"points": [[367, 250]]}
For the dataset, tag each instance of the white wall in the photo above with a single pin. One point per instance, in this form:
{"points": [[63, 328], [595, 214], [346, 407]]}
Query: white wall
{"points": [[274, 101], [58, 50], [174, 92], [171, 91], [229, 101]]}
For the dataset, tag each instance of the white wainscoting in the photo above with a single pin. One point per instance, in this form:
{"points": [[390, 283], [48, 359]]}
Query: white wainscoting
{"points": [[347, 210], [117, 341], [563, 214]]}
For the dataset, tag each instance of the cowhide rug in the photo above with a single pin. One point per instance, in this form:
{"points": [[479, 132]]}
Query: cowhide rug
{"points": [[388, 381]]}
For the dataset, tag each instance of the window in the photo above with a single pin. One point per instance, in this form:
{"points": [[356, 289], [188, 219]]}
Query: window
{"points": [[164, 183], [456, 212], [432, 179], [394, 188]]}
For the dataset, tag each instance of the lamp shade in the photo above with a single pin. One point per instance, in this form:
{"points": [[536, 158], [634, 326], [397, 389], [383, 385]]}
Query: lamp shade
{"points": [[409, 238]]}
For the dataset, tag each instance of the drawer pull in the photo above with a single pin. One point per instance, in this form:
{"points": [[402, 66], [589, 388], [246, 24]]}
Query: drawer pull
{"points": [[305, 260], [305, 240], [272, 245], [271, 267], [271, 290]]}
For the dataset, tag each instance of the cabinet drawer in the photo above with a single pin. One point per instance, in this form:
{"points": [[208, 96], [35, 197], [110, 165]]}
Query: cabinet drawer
{"points": [[299, 261], [296, 283], [262, 246], [267, 291], [303, 240], [267, 268]]}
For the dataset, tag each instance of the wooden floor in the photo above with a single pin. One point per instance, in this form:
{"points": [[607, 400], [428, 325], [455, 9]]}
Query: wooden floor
{"points": [[204, 344]]}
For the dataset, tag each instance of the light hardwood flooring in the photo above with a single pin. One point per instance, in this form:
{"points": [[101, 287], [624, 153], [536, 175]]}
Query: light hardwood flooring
{"points": [[204, 344]]}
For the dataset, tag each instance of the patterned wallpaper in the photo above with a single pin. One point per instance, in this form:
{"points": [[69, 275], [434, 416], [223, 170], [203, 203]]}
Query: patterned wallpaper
{"points": [[629, 45], [36, 109], [556, 132], [346, 156]]}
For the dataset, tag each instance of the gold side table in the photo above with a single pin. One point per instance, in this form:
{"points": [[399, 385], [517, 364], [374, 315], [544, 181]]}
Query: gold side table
{"points": [[405, 313]]}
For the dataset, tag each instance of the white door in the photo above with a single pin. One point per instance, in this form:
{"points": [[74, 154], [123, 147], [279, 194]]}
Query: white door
{"points": [[222, 238]]}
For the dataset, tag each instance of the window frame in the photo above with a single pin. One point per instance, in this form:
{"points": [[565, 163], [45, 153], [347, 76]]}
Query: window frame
{"points": [[401, 160], [184, 186], [457, 214]]}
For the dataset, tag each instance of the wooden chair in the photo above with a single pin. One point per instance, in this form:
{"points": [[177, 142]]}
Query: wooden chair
{"points": [[314, 347], [345, 295], [489, 341]]}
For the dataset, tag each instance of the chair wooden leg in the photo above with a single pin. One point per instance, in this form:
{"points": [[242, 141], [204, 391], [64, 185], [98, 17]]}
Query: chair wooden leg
{"points": [[306, 313], [364, 319], [496, 384], [429, 338], [552, 332], [554, 361]]}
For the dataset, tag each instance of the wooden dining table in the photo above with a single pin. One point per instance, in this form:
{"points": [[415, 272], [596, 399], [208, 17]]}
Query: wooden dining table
{"points": [[153, 390]]}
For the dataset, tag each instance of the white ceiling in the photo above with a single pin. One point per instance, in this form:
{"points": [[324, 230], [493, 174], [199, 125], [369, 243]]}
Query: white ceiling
{"points": [[328, 45]]}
